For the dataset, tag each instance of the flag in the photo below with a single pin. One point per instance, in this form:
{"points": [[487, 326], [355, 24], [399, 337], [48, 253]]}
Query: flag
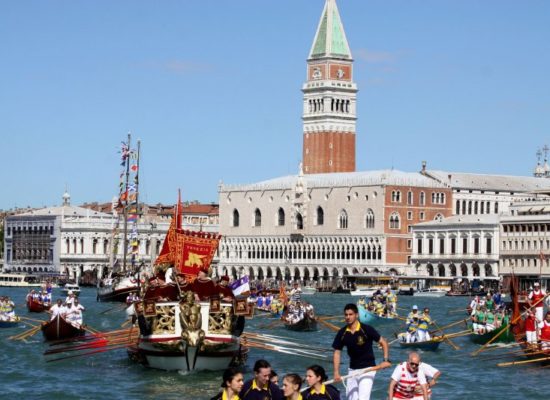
{"points": [[134, 167], [240, 286]]}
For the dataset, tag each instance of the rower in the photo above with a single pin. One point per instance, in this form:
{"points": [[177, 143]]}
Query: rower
{"points": [[412, 330], [545, 333], [478, 325], [69, 300], [489, 321], [536, 296], [423, 324], [57, 309], [391, 301], [531, 328], [296, 293], [74, 315], [489, 303], [405, 378]]}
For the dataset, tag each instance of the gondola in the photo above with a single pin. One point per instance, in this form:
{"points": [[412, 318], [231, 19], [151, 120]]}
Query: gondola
{"points": [[306, 324], [10, 323], [59, 328], [37, 306], [370, 318]]}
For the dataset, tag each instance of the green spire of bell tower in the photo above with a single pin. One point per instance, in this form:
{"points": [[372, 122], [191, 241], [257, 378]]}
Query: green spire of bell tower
{"points": [[330, 39]]}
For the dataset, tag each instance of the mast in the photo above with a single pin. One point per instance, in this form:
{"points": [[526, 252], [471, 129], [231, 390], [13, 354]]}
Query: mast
{"points": [[125, 206], [135, 251]]}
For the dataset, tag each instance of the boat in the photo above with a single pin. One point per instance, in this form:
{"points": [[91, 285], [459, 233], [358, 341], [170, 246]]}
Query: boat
{"points": [[73, 287], [9, 323], [19, 280], [59, 328], [37, 306], [121, 279], [309, 290], [307, 322], [484, 338], [370, 318], [364, 292], [428, 345], [431, 292], [341, 290]]}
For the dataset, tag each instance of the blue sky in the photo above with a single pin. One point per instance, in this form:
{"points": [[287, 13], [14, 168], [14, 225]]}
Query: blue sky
{"points": [[212, 88]]}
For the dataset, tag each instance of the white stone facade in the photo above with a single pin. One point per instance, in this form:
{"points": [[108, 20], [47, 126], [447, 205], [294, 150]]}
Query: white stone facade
{"points": [[460, 246]]}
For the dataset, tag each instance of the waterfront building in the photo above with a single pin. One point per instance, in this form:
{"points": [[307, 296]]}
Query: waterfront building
{"points": [[323, 226], [463, 246], [486, 194], [525, 240], [78, 241]]}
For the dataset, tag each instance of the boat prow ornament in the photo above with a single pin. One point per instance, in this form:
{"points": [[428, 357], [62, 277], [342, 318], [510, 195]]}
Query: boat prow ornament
{"points": [[191, 333]]}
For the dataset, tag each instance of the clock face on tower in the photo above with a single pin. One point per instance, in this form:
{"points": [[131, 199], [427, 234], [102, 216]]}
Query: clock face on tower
{"points": [[340, 73], [316, 73]]}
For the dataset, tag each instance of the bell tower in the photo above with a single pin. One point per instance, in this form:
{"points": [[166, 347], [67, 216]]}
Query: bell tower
{"points": [[329, 114]]}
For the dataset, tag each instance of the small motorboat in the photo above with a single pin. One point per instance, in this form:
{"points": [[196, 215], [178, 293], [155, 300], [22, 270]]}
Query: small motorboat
{"points": [[71, 287], [431, 292], [60, 328], [309, 290]]}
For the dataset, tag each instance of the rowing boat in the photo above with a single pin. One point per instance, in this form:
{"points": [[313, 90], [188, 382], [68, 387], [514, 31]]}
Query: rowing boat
{"points": [[59, 328], [9, 323], [36, 306], [428, 345], [483, 338], [370, 318]]}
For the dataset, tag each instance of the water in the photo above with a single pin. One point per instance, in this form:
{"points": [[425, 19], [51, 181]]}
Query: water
{"points": [[111, 375]]}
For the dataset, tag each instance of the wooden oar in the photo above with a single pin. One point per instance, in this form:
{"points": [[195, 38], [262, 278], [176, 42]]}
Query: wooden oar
{"points": [[507, 364], [32, 319], [26, 333], [115, 308], [270, 340], [475, 353], [329, 325], [285, 350], [446, 338], [439, 329], [89, 353], [516, 353]]}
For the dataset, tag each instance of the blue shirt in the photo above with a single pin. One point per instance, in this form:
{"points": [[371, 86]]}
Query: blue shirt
{"points": [[358, 344]]}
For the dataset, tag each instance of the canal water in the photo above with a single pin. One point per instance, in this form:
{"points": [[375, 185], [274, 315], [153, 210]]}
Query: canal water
{"points": [[24, 370]]}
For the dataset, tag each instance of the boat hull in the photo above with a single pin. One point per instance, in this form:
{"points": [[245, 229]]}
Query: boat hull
{"points": [[37, 306], [116, 295], [366, 317], [506, 337], [189, 359], [304, 325], [9, 324], [59, 328], [431, 345]]}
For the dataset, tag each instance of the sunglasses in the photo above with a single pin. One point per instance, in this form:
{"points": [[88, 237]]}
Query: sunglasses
{"points": [[412, 364]]}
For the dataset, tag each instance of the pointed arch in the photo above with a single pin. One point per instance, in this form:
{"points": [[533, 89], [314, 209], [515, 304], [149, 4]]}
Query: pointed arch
{"points": [[281, 217], [236, 218], [320, 217], [369, 219], [299, 221], [257, 217], [343, 219]]}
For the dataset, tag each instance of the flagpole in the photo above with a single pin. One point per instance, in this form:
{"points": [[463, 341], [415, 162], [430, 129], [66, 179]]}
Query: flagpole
{"points": [[136, 179], [125, 205]]}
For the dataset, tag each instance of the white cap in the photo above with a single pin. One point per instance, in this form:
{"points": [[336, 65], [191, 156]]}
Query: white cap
{"points": [[415, 307], [537, 284]]}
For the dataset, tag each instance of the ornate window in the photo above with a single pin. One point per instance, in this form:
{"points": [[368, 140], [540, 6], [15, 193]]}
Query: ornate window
{"points": [[235, 221], [343, 220], [299, 221], [396, 196], [281, 217], [257, 217], [369, 219], [320, 216], [395, 221]]}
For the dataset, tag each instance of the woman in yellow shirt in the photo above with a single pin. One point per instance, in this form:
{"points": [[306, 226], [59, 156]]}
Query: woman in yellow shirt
{"points": [[232, 385]]}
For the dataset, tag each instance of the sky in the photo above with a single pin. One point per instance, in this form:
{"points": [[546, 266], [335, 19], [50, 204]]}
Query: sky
{"points": [[212, 88]]}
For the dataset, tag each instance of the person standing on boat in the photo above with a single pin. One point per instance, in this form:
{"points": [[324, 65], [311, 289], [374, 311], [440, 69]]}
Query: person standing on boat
{"points": [[57, 309], [260, 387], [69, 300], [358, 339], [296, 293], [432, 375], [545, 332], [531, 328], [74, 315], [391, 302], [424, 323], [536, 299], [406, 376], [232, 385]]}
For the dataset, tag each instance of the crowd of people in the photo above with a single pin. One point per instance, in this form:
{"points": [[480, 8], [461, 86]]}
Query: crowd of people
{"points": [[382, 303], [411, 379], [7, 309], [70, 310]]}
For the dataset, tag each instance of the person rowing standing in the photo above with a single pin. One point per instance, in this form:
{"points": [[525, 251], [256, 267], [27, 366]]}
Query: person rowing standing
{"points": [[405, 379], [358, 339]]}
